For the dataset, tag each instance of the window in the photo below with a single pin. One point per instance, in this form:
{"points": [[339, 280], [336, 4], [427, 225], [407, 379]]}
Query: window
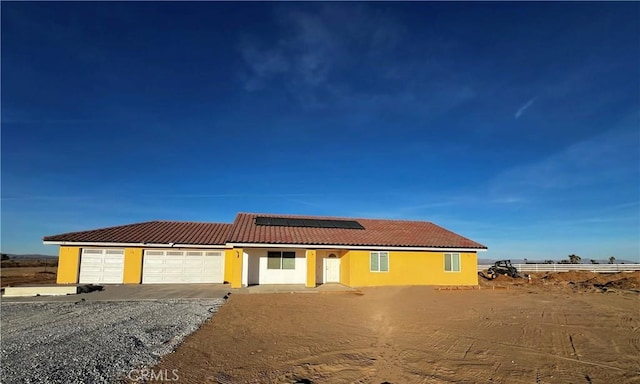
{"points": [[281, 260], [379, 262], [452, 262]]}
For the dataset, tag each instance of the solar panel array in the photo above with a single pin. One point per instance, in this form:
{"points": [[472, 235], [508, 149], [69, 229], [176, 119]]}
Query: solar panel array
{"points": [[310, 223]]}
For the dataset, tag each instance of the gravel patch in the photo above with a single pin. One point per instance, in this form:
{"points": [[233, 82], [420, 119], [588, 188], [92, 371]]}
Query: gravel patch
{"points": [[93, 342]]}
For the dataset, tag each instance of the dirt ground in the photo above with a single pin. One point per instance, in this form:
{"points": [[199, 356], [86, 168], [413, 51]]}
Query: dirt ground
{"points": [[20, 275], [549, 331]]}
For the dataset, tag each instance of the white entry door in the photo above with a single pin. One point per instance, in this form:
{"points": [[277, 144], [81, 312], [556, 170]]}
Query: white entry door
{"points": [[331, 270], [102, 266], [180, 267]]}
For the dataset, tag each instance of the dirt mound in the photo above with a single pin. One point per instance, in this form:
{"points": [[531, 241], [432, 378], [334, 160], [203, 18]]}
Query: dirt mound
{"points": [[571, 276], [625, 283], [500, 280], [574, 279], [590, 277]]}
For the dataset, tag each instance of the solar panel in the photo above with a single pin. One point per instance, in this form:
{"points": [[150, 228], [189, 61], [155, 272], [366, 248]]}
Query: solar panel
{"points": [[308, 223]]}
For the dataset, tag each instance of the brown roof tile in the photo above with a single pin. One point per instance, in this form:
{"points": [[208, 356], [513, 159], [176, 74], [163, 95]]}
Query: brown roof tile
{"points": [[384, 233], [398, 233], [158, 232]]}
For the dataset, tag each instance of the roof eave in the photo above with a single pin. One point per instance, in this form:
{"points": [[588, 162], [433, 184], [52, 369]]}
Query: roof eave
{"points": [[148, 245], [354, 247]]}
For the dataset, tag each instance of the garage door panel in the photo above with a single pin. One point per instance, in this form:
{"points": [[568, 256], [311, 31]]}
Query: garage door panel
{"points": [[111, 280], [101, 266], [212, 267], [154, 263], [110, 264], [167, 267], [153, 280]]}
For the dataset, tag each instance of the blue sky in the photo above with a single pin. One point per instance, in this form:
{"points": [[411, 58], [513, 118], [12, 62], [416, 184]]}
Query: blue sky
{"points": [[514, 124]]}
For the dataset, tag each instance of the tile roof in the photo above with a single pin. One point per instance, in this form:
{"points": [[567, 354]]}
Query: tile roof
{"points": [[158, 232], [390, 233], [384, 233]]}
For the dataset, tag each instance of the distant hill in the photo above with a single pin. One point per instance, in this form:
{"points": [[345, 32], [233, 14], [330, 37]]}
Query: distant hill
{"points": [[33, 256]]}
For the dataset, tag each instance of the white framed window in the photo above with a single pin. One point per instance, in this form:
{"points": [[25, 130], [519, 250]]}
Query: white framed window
{"points": [[379, 262], [281, 260], [452, 262]]}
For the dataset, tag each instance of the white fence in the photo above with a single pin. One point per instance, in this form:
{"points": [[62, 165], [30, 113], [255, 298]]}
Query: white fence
{"points": [[601, 268]]}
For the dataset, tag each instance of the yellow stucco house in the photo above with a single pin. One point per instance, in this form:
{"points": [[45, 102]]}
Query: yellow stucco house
{"points": [[269, 249]]}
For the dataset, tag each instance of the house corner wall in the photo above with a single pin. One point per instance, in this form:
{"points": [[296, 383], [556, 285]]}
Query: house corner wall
{"points": [[236, 267], [132, 266], [68, 265], [345, 268], [311, 268], [228, 264]]}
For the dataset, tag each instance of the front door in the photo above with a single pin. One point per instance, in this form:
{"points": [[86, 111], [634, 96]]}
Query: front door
{"points": [[332, 270]]}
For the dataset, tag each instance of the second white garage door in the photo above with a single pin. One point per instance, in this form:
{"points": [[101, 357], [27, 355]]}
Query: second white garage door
{"points": [[179, 267]]}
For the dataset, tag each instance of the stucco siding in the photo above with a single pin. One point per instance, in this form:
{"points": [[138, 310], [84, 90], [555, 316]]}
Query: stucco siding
{"points": [[409, 268], [311, 268], [258, 273], [228, 264], [68, 265], [132, 265], [345, 268]]}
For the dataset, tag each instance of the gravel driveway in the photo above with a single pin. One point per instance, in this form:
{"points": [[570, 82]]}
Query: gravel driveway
{"points": [[93, 342]]}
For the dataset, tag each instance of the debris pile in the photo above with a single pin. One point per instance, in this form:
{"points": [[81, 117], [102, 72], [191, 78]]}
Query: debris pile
{"points": [[579, 280]]}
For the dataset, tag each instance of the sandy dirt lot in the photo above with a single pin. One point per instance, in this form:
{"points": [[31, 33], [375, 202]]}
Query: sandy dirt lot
{"points": [[554, 330], [14, 276]]}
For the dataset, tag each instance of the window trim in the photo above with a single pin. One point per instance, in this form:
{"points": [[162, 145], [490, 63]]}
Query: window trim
{"points": [[388, 261], [452, 254], [281, 259]]}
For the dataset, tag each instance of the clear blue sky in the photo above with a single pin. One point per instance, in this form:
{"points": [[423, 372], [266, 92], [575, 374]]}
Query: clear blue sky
{"points": [[516, 125]]}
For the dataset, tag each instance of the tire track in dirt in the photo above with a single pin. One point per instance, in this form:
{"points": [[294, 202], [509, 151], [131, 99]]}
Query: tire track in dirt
{"points": [[628, 322], [540, 352], [634, 339]]}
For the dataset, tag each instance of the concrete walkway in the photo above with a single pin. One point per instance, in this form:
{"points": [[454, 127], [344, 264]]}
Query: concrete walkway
{"points": [[298, 288], [136, 292]]}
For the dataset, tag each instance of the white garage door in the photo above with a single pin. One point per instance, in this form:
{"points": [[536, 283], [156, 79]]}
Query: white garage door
{"points": [[102, 266], [175, 267]]}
